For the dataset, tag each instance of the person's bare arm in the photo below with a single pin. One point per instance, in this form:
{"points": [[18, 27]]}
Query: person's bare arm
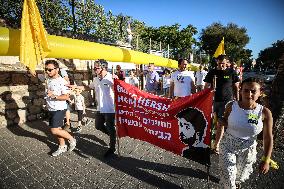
{"points": [[61, 97], [267, 139]]}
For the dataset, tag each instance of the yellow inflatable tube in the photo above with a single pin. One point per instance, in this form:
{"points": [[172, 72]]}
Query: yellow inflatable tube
{"points": [[62, 47]]}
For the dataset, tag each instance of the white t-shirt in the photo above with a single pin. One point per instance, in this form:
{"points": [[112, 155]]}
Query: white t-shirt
{"points": [[133, 81], [104, 93], [182, 82], [58, 86], [166, 81], [79, 102], [200, 75]]}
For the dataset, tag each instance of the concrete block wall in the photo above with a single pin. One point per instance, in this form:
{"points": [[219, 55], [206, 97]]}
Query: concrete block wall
{"points": [[22, 95]]}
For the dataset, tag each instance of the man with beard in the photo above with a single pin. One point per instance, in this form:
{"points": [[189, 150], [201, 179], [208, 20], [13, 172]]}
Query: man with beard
{"points": [[182, 81]]}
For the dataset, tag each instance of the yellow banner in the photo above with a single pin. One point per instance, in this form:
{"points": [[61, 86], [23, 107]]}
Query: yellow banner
{"points": [[220, 50], [33, 40]]}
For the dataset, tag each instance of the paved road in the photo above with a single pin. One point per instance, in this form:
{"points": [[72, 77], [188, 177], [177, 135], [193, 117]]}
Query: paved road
{"points": [[26, 163]]}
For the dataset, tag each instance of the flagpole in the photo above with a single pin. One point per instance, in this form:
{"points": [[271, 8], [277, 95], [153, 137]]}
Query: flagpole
{"points": [[212, 121], [116, 130]]}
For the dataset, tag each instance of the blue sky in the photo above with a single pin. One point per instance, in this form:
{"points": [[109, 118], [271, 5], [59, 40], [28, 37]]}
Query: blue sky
{"points": [[263, 19]]}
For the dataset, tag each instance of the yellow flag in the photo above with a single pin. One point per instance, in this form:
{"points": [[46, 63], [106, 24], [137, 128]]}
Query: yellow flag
{"points": [[33, 41], [220, 50]]}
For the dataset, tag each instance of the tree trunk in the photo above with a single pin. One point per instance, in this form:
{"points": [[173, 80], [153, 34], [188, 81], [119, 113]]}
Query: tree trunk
{"points": [[74, 18], [277, 104]]}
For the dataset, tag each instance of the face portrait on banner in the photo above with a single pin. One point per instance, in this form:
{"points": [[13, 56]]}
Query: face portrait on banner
{"points": [[192, 126]]}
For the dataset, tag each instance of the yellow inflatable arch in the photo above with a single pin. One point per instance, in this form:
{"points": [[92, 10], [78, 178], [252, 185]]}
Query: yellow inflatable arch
{"points": [[62, 47]]}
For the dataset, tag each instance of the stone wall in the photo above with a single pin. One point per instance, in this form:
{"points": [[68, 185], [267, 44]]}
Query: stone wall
{"points": [[22, 95]]}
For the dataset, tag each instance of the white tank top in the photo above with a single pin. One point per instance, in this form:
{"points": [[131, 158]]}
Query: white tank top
{"points": [[245, 124]]}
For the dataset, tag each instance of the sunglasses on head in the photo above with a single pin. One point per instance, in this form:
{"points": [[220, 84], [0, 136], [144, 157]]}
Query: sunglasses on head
{"points": [[49, 69]]}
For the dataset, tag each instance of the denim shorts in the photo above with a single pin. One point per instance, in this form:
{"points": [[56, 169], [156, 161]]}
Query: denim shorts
{"points": [[56, 118]]}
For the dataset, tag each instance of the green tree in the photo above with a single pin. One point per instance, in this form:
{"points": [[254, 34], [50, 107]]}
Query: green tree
{"points": [[268, 58], [11, 12], [236, 39], [185, 41], [138, 28], [55, 15], [180, 40], [73, 4], [273, 58], [276, 99], [88, 20]]}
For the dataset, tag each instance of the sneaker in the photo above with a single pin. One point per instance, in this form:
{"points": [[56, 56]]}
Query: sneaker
{"points": [[77, 130], [72, 144], [87, 122], [60, 150], [109, 153]]}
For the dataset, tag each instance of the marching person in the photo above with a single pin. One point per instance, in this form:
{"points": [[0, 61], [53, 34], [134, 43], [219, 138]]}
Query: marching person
{"points": [[133, 80], [244, 120], [57, 94], [105, 115], [182, 81], [166, 78], [152, 79], [199, 77], [120, 73], [80, 108], [227, 84]]}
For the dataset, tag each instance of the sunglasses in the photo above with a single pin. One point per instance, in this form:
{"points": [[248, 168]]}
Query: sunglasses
{"points": [[97, 68], [49, 69]]}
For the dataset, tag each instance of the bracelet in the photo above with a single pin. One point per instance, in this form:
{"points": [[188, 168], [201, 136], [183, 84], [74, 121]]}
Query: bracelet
{"points": [[273, 164], [265, 159]]}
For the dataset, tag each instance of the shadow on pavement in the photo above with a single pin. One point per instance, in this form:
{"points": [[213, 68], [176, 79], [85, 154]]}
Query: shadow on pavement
{"points": [[140, 169], [21, 131]]}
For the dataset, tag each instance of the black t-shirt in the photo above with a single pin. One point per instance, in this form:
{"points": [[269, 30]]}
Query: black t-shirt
{"points": [[224, 83]]}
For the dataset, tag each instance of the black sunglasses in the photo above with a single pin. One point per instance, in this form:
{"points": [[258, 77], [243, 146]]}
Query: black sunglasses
{"points": [[49, 69]]}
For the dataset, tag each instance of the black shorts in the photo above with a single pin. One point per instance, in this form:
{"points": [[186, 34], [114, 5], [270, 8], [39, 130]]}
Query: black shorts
{"points": [[56, 118]]}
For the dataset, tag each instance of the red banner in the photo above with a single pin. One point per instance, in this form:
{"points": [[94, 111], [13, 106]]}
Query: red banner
{"points": [[181, 126]]}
